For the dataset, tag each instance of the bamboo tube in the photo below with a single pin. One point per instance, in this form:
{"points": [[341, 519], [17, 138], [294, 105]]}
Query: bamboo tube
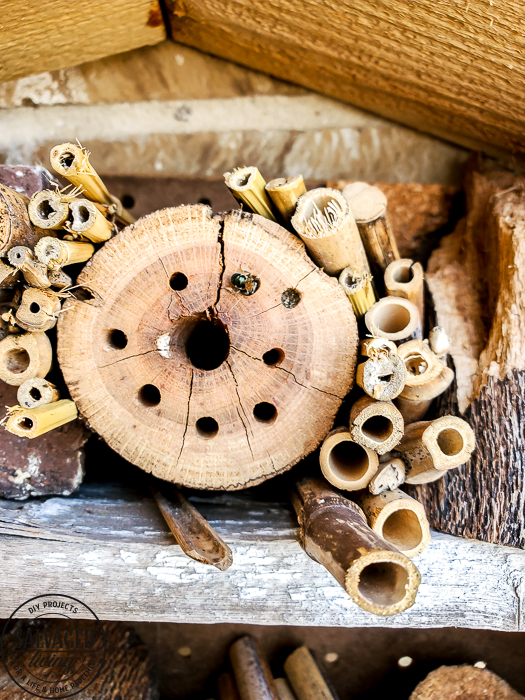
{"points": [[24, 356], [374, 347], [59, 278], [56, 253], [427, 378], [405, 278], [284, 691], [382, 377], [397, 518], [251, 670], [34, 272], [345, 463], [305, 676], [395, 319], [439, 342], [38, 310], [86, 219], [72, 162], [327, 227], [226, 688], [284, 193], [377, 425], [8, 276], [368, 205], [248, 187], [334, 533], [390, 475], [47, 209], [359, 288], [431, 448], [36, 392], [33, 422]]}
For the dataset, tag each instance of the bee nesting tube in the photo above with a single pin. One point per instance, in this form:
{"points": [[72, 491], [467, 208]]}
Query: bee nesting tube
{"points": [[47, 209], [359, 288], [405, 278], [377, 425], [382, 377], [36, 392], [24, 356], [35, 273], [247, 185], [38, 310], [56, 253], [86, 219], [395, 319], [345, 463], [390, 475], [327, 227], [33, 422], [284, 193]]}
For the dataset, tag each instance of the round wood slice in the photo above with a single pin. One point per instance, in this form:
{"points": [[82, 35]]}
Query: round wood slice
{"points": [[195, 383]]}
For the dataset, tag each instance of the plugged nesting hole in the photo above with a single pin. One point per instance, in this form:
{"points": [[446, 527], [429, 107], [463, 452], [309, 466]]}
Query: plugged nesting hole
{"points": [[290, 298], [403, 275], [207, 427], [265, 412], [416, 365], [25, 423], [383, 583], [149, 395], [128, 201], [391, 318], [273, 357], [450, 441], [403, 529], [348, 461], [67, 159], [35, 393], [34, 307], [117, 339], [208, 344], [178, 281], [17, 360], [377, 428], [45, 210]]}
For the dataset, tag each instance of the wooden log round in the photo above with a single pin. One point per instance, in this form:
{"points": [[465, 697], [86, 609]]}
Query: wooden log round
{"points": [[212, 352]]}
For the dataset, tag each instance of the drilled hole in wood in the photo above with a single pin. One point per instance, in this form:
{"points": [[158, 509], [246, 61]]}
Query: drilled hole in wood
{"points": [[67, 159], [117, 339], [128, 201], [35, 393], [207, 427], [348, 460], [392, 318], [44, 209], [34, 307], [273, 357], [377, 428], [403, 529], [178, 281], [383, 583], [25, 423], [208, 344], [82, 294], [17, 360], [403, 275], [149, 395], [205, 200], [450, 442], [265, 412]]}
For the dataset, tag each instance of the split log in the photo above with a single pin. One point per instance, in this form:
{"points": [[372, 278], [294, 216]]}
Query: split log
{"points": [[463, 683], [251, 670], [15, 227], [224, 386], [306, 678]]}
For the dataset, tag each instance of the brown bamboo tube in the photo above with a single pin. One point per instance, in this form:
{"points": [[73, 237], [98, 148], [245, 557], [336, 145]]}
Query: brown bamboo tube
{"points": [[389, 476], [368, 205], [439, 342], [284, 193], [54, 252], [427, 378], [24, 356], [305, 676], [405, 278], [431, 448], [251, 670], [334, 533], [59, 278], [373, 347], [359, 288], [247, 185], [8, 276], [394, 318], [327, 227], [47, 209], [377, 425], [397, 518], [382, 377], [226, 688], [86, 219], [15, 227], [33, 422], [38, 310], [284, 691], [345, 463], [34, 272], [36, 392]]}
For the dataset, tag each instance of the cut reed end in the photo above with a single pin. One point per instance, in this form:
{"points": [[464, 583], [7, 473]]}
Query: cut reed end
{"points": [[48, 210], [36, 392], [359, 289], [394, 318], [33, 422], [382, 377], [68, 159], [345, 463], [320, 213], [377, 425]]}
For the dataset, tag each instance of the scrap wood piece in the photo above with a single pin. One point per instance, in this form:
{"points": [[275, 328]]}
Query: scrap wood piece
{"points": [[306, 677], [463, 683], [15, 227]]}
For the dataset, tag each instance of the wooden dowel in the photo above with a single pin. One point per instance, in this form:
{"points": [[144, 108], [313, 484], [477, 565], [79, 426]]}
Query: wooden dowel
{"points": [[34, 272], [47, 209], [345, 463], [397, 518], [54, 252], [226, 688], [251, 670], [284, 193], [24, 356], [192, 532], [86, 219], [33, 422], [390, 476], [368, 205], [15, 227], [334, 532], [36, 392], [284, 691], [394, 318], [39, 310], [382, 377], [359, 288], [327, 227], [431, 448], [405, 278], [377, 425], [305, 676], [248, 187]]}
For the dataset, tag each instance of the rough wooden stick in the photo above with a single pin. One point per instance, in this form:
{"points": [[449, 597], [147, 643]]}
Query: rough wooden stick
{"points": [[36, 392], [251, 670], [368, 205], [284, 691], [305, 676], [284, 193], [226, 688], [56, 253], [345, 463], [192, 532], [334, 532], [86, 219], [33, 422], [24, 356], [398, 518], [395, 319], [405, 278], [327, 227], [382, 377], [377, 425], [15, 227], [39, 310], [34, 272], [430, 448], [359, 288], [47, 209], [390, 475], [248, 187]]}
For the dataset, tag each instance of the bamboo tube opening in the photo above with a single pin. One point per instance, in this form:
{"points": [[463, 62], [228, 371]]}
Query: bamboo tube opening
{"points": [[349, 461], [345, 463], [378, 428], [383, 583], [16, 360], [403, 274], [323, 212], [36, 392], [47, 210], [393, 318], [25, 423], [403, 529], [450, 442], [24, 356], [416, 364], [33, 422]]}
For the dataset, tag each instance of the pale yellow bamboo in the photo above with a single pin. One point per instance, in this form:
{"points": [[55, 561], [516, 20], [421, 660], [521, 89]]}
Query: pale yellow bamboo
{"points": [[359, 288], [248, 187], [33, 422], [284, 193], [86, 219], [57, 253]]}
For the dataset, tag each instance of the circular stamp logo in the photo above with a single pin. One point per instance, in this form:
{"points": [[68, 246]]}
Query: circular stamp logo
{"points": [[57, 649]]}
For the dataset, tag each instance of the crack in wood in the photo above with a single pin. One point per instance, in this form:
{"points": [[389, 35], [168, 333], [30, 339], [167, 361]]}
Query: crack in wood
{"points": [[187, 416]]}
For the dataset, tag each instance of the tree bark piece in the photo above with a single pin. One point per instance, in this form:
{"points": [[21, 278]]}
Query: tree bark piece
{"points": [[377, 425], [8, 276], [48, 209], [252, 672], [395, 319], [464, 683], [345, 463], [24, 356], [389, 476], [405, 278], [305, 676], [38, 310], [334, 532], [284, 193], [224, 389], [15, 227], [36, 392]]}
